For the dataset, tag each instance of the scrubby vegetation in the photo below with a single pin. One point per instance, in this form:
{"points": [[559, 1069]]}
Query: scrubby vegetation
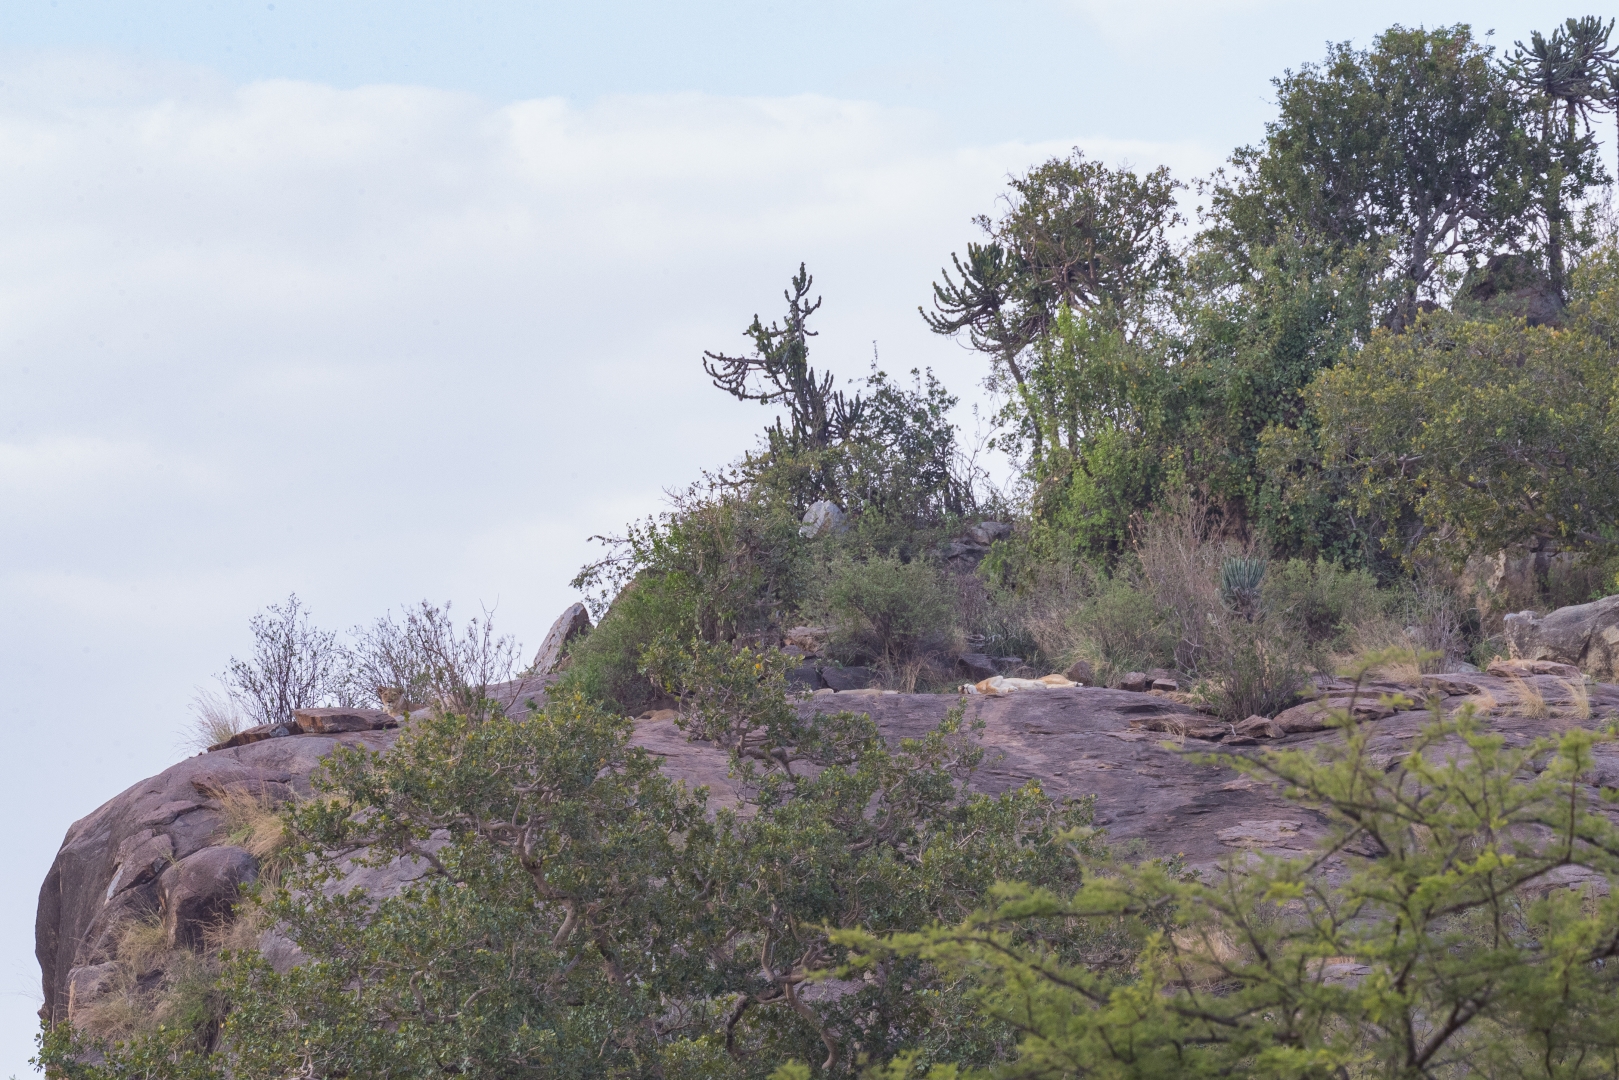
{"points": [[1366, 405]]}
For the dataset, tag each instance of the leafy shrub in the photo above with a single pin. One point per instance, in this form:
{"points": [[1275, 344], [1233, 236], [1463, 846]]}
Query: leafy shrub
{"points": [[1322, 602], [605, 665], [1123, 627], [885, 610], [586, 916], [722, 565]]}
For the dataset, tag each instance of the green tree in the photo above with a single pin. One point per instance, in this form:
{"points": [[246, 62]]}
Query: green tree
{"points": [[1414, 149], [1462, 436], [1560, 78], [1078, 237]]}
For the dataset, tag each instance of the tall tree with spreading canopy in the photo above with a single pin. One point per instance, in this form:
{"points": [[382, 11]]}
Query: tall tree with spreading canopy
{"points": [[1414, 147]]}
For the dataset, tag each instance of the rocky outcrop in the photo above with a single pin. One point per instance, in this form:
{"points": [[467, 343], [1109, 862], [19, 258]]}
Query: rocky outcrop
{"points": [[570, 624], [824, 518], [1585, 636], [1510, 285], [161, 847], [160, 850], [968, 549]]}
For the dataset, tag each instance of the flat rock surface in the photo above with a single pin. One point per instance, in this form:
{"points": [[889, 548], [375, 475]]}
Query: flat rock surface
{"points": [[1132, 751]]}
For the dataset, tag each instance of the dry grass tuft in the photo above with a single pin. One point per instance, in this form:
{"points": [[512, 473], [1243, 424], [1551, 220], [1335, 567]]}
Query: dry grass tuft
{"points": [[1530, 701], [215, 718], [143, 944], [253, 822], [1579, 697]]}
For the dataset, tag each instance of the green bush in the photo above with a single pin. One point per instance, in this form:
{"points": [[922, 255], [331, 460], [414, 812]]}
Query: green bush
{"points": [[1321, 602], [721, 566], [882, 609], [605, 665], [1123, 627], [1256, 668]]}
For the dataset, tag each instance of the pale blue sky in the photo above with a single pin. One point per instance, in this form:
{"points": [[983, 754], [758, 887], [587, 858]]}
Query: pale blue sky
{"points": [[382, 301]]}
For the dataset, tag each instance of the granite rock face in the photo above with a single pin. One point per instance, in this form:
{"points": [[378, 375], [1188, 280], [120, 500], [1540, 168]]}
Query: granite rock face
{"points": [[573, 621], [1585, 636], [160, 847]]}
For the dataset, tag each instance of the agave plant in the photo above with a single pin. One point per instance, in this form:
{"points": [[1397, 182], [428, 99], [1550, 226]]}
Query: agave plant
{"points": [[1240, 578]]}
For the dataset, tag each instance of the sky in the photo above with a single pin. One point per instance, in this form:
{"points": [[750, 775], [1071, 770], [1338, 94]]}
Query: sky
{"points": [[376, 302]]}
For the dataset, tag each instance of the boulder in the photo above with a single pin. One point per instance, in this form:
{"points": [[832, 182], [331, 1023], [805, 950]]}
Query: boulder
{"points": [[823, 518], [337, 721], [1510, 285], [1316, 716], [805, 676], [1505, 668], [106, 873], [85, 984], [1081, 673], [1135, 681], [1168, 686], [201, 890], [1584, 636], [846, 678], [976, 667], [278, 730], [968, 549], [575, 620]]}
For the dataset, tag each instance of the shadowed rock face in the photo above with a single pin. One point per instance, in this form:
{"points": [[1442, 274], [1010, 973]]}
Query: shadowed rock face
{"points": [[1132, 751], [123, 860]]}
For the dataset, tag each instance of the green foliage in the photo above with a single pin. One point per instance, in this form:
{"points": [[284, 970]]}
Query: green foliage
{"points": [[1077, 236], [724, 563], [1241, 577], [1320, 602], [884, 609], [1123, 627], [580, 915], [890, 452], [166, 1054], [1447, 945], [1462, 436], [1414, 148], [1091, 517]]}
